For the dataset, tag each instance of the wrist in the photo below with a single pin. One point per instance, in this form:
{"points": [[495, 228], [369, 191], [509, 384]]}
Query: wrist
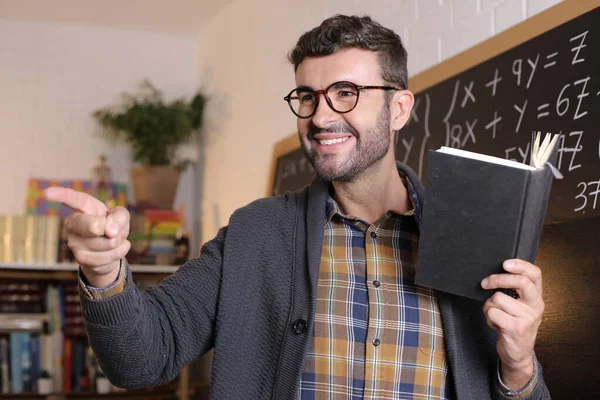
{"points": [[517, 376]]}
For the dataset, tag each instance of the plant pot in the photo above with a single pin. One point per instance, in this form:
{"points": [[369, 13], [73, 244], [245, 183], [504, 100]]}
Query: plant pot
{"points": [[44, 385], [155, 186]]}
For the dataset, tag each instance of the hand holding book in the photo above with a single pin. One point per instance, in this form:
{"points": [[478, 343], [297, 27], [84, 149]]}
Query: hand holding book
{"points": [[482, 222], [516, 320]]}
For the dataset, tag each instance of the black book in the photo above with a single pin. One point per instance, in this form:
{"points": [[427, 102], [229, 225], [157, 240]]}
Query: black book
{"points": [[478, 212]]}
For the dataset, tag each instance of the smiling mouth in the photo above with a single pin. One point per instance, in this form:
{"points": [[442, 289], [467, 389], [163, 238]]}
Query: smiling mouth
{"points": [[329, 142]]}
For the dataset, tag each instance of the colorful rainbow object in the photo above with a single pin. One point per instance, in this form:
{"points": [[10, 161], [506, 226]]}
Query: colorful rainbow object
{"points": [[114, 194]]}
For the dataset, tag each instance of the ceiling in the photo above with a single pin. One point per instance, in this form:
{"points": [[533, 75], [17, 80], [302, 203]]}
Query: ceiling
{"points": [[183, 17]]}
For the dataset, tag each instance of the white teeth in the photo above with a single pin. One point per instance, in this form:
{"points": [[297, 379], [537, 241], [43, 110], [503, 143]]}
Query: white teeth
{"points": [[333, 141]]}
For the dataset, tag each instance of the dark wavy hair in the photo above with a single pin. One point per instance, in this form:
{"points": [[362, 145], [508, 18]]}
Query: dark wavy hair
{"points": [[342, 32]]}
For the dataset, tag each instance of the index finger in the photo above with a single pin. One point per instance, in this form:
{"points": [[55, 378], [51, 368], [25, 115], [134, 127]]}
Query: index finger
{"points": [[78, 201]]}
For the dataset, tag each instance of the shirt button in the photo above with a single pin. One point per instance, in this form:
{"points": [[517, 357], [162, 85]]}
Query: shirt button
{"points": [[299, 326], [373, 235], [376, 342], [376, 283]]}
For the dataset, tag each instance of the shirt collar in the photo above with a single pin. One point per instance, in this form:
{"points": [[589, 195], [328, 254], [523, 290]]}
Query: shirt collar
{"points": [[332, 207]]}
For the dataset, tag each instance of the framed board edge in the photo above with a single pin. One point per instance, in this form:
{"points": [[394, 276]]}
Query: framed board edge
{"points": [[282, 147], [501, 42]]}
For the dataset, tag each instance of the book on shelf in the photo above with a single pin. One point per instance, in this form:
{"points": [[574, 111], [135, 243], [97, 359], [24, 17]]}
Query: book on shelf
{"points": [[478, 212], [154, 234], [51, 339], [30, 239], [47, 336]]}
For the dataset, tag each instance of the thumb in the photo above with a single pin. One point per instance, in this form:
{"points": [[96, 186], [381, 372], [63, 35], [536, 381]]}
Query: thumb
{"points": [[117, 222]]}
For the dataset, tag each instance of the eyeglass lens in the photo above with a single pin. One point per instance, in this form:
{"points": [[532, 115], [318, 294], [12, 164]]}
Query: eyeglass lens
{"points": [[342, 97]]}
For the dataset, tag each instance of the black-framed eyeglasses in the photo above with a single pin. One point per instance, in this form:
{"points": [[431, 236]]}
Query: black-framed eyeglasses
{"points": [[341, 96]]}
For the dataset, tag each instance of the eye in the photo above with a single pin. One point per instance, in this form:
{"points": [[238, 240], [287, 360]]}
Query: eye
{"points": [[306, 97], [342, 91], [346, 93]]}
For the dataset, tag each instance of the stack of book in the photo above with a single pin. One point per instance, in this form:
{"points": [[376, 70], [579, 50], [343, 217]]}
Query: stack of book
{"points": [[29, 239], [153, 236]]}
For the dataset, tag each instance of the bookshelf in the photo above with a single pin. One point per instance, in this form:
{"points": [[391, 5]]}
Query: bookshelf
{"points": [[68, 271], [181, 389], [135, 268], [171, 391]]}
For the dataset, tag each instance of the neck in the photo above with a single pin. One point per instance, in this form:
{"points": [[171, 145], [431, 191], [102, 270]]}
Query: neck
{"points": [[370, 195]]}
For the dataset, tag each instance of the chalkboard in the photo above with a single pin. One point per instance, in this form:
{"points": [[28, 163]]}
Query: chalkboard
{"points": [[293, 172], [549, 83], [542, 75]]}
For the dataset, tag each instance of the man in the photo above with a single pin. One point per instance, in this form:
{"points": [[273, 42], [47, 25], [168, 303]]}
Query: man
{"points": [[311, 295]]}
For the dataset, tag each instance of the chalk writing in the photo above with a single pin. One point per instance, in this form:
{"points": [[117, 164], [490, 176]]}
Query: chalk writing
{"points": [[468, 94], [494, 82], [578, 48], [589, 190], [549, 57], [548, 83], [574, 150], [521, 111]]}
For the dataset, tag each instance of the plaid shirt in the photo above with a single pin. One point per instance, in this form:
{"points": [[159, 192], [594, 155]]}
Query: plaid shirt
{"points": [[376, 335]]}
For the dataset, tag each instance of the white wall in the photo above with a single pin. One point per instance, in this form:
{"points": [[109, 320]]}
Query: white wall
{"points": [[244, 68], [53, 76]]}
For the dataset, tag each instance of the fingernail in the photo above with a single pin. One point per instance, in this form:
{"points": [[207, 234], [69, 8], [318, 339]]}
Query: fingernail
{"points": [[509, 264], [484, 283]]}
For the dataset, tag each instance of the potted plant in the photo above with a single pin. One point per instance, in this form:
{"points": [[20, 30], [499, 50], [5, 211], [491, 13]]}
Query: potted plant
{"points": [[154, 129], [44, 382]]}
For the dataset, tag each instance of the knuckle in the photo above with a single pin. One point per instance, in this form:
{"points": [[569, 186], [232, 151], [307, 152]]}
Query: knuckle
{"points": [[542, 307], [95, 227], [537, 272], [487, 312], [125, 249], [82, 258], [497, 297], [112, 243], [117, 254], [68, 222], [523, 281]]}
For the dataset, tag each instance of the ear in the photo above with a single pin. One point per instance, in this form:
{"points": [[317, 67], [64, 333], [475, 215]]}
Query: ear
{"points": [[400, 108]]}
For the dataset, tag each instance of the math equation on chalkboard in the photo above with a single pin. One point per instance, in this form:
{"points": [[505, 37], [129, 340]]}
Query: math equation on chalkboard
{"points": [[550, 83]]}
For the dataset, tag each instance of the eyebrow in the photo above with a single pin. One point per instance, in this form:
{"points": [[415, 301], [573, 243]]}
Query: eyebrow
{"points": [[300, 88]]}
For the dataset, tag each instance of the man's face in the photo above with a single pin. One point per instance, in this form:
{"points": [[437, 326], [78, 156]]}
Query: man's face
{"points": [[341, 146]]}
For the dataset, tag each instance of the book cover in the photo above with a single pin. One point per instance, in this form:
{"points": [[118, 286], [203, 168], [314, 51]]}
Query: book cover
{"points": [[4, 363], [478, 213], [16, 367]]}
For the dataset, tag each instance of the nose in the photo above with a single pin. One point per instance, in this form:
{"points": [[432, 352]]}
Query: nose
{"points": [[324, 115]]}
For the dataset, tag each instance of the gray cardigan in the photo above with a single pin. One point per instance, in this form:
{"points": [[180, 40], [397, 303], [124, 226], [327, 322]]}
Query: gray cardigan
{"points": [[251, 295]]}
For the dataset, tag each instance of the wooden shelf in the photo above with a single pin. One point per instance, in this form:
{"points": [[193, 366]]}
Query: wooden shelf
{"points": [[167, 392], [180, 390], [135, 268], [67, 271]]}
